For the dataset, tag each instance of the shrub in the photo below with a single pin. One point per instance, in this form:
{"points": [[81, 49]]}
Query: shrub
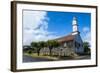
{"points": [[30, 52]]}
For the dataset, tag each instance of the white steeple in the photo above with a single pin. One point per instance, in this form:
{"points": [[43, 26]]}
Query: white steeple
{"points": [[75, 26]]}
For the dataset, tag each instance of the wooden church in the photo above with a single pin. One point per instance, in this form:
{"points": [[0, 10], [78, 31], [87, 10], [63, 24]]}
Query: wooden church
{"points": [[73, 40], [69, 44]]}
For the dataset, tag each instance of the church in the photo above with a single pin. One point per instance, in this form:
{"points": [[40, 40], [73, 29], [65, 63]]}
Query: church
{"points": [[73, 40], [69, 44]]}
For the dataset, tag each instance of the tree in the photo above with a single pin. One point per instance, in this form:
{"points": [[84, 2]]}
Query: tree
{"points": [[55, 44], [41, 45], [34, 46], [38, 46], [86, 47], [52, 44]]}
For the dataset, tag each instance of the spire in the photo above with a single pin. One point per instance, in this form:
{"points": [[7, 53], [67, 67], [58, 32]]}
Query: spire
{"points": [[75, 26], [74, 18], [74, 22]]}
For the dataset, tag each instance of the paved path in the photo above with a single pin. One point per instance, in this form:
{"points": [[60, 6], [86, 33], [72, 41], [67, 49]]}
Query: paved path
{"points": [[31, 59], [84, 57]]}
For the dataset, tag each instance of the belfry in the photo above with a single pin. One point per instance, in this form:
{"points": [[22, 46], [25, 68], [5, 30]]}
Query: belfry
{"points": [[75, 26]]}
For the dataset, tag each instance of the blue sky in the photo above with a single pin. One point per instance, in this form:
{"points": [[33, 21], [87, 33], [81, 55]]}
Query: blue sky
{"points": [[61, 22], [44, 25]]}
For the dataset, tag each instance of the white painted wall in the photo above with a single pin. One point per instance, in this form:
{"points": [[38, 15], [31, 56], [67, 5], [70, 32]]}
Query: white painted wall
{"points": [[5, 38]]}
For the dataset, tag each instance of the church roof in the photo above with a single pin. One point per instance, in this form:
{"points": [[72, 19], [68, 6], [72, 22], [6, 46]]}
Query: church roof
{"points": [[65, 38]]}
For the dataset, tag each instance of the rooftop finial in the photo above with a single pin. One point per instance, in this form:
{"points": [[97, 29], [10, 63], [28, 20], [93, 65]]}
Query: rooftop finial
{"points": [[74, 18]]}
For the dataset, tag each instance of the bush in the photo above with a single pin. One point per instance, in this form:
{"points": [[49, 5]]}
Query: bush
{"points": [[30, 52], [86, 48]]}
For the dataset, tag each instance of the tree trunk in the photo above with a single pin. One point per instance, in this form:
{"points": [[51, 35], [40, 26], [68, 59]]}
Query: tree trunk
{"points": [[50, 52], [38, 52]]}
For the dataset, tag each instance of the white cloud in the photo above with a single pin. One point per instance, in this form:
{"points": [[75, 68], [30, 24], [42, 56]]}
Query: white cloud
{"points": [[85, 29], [33, 19], [87, 35], [35, 27]]}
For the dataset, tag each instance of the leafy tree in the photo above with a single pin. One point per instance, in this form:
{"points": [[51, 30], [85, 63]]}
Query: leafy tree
{"points": [[52, 44], [55, 44], [86, 47], [34, 46], [41, 45], [38, 46]]}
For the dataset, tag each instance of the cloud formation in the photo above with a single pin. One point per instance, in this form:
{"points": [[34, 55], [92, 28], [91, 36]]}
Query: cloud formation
{"points": [[87, 34], [35, 27]]}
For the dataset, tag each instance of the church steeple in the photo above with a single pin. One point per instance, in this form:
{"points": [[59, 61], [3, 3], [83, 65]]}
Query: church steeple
{"points": [[75, 26]]}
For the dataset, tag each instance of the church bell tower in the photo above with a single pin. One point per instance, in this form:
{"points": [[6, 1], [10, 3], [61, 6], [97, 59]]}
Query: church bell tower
{"points": [[75, 26]]}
